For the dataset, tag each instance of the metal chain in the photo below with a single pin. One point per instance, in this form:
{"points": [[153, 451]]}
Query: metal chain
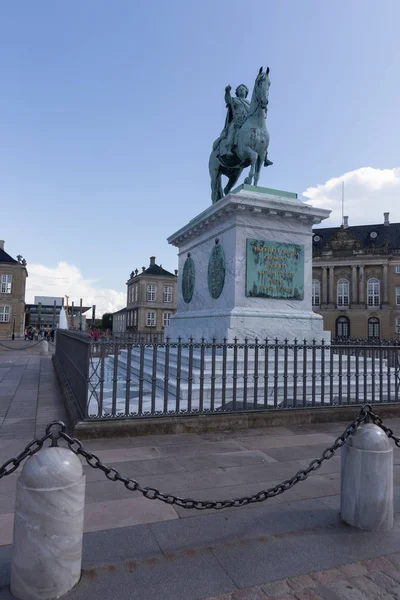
{"points": [[57, 430], [94, 461], [389, 432]]}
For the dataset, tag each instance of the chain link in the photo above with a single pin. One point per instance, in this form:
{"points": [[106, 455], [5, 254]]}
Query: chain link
{"points": [[57, 430], [154, 494]]}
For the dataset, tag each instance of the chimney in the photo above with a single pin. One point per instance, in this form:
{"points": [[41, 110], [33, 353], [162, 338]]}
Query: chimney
{"points": [[345, 222], [152, 260], [386, 218], [1, 244]]}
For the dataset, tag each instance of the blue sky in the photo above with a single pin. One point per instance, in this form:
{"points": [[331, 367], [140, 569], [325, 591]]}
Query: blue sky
{"points": [[108, 112]]}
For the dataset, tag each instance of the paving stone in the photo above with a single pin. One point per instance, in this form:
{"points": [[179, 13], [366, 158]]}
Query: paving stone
{"points": [[327, 576], [254, 593], [327, 593], [300, 582], [377, 564], [307, 594], [353, 570], [370, 589], [276, 589], [394, 558], [385, 582], [348, 591]]}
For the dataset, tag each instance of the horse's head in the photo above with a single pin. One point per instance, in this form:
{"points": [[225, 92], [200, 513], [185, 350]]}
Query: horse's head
{"points": [[261, 87]]}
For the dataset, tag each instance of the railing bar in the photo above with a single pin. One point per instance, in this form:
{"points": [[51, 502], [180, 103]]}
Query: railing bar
{"points": [[276, 372], [115, 379], [340, 377], [128, 380], [190, 375], [166, 376], [255, 394], [322, 372], [224, 358], [154, 380], [102, 367], [213, 358], [313, 372], [141, 379], [178, 377], [234, 378], [266, 373], [304, 372], [245, 365], [201, 400], [295, 374]]}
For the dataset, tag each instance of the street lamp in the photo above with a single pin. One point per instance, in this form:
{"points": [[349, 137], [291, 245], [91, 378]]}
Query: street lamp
{"points": [[13, 332]]}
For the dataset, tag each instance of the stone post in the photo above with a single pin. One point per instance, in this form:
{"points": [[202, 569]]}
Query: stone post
{"points": [[331, 285], [48, 527], [354, 284], [385, 283], [324, 298], [361, 284], [366, 497]]}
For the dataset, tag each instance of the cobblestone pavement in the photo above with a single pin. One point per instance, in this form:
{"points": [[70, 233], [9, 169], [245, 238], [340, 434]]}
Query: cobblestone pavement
{"points": [[378, 579]]}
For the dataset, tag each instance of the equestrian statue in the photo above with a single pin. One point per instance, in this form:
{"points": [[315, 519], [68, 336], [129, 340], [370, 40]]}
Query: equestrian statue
{"points": [[244, 140]]}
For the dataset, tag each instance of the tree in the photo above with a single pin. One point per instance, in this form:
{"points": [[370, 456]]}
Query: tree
{"points": [[106, 321], [27, 319]]}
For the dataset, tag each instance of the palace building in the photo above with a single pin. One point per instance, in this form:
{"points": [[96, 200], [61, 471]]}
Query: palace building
{"points": [[151, 301], [356, 279], [13, 274]]}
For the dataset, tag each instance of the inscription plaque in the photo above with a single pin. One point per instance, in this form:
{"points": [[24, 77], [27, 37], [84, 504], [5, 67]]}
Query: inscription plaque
{"points": [[274, 270], [216, 271], [188, 278]]}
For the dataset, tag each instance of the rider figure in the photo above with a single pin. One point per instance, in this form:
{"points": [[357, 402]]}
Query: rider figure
{"points": [[238, 109]]}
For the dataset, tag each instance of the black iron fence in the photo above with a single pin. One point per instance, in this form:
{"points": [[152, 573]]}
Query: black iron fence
{"points": [[131, 380]]}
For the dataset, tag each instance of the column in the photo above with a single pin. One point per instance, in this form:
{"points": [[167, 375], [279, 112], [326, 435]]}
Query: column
{"points": [[331, 286], [354, 284], [361, 284], [385, 283], [324, 285]]}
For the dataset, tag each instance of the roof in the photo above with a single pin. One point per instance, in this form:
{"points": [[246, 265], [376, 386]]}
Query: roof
{"points": [[153, 270], [6, 258], [118, 312], [357, 237]]}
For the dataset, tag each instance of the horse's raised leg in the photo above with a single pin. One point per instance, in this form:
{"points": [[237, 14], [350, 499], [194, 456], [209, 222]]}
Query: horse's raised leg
{"points": [[252, 155]]}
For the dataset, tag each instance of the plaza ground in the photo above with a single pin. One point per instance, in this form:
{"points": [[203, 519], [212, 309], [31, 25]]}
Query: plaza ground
{"points": [[293, 546]]}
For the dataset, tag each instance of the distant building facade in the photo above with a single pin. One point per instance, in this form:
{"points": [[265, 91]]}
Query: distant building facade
{"points": [[356, 279], [45, 312], [151, 301], [13, 274]]}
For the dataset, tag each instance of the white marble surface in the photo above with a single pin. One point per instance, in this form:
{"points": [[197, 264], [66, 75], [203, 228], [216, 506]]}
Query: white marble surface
{"points": [[48, 527], [366, 500], [245, 216]]}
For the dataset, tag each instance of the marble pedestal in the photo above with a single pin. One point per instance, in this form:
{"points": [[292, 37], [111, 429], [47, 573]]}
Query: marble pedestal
{"points": [[366, 499], [248, 213]]}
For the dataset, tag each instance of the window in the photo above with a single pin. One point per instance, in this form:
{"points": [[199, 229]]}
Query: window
{"points": [[135, 318], [397, 329], [397, 269], [343, 327], [166, 318], [398, 296], [4, 314], [136, 292], [151, 319], [151, 293], [343, 292], [167, 293], [374, 327], [316, 292], [373, 292], [6, 283]]}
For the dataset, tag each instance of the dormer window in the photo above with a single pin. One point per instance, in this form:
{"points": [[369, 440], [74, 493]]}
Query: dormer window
{"points": [[373, 235], [317, 238]]}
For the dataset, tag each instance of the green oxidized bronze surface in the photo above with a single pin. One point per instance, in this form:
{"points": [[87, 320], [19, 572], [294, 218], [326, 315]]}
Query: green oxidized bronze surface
{"points": [[188, 279], [216, 271], [274, 270]]}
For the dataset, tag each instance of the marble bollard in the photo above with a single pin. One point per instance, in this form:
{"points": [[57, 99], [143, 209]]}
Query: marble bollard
{"points": [[48, 527], [366, 498]]}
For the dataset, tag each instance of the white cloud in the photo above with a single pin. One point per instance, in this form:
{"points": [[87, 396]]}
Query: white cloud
{"points": [[368, 193], [68, 279]]}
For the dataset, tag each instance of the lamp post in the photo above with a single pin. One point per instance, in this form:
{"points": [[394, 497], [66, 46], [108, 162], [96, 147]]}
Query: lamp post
{"points": [[13, 331]]}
